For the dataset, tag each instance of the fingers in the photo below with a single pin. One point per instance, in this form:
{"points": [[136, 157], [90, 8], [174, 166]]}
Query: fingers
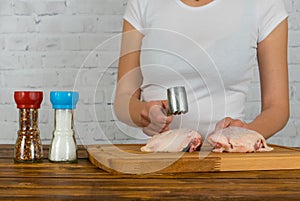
{"points": [[154, 129], [149, 132], [226, 122], [237, 123], [154, 118], [165, 104], [155, 115]]}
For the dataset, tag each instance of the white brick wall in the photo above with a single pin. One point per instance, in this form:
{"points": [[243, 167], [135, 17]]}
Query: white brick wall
{"points": [[64, 44]]}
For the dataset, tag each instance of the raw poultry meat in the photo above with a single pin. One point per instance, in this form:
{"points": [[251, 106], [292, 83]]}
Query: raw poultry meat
{"points": [[176, 140], [237, 139]]}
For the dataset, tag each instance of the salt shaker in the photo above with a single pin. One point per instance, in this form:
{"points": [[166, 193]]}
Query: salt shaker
{"points": [[63, 147], [28, 147]]}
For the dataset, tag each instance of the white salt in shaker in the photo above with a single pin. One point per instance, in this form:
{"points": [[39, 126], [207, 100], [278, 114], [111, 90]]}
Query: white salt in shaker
{"points": [[63, 147]]}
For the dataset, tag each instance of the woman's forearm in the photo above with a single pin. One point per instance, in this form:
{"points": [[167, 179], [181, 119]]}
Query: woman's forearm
{"points": [[270, 120], [127, 109]]}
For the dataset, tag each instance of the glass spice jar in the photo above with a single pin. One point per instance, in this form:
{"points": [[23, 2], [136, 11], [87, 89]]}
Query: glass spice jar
{"points": [[63, 147], [28, 147]]}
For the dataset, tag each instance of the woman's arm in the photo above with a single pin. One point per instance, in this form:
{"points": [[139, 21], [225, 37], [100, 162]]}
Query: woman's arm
{"points": [[129, 77], [273, 70], [128, 106]]}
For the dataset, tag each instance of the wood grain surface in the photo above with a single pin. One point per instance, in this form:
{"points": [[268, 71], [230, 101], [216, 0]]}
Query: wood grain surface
{"points": [[128, 159], [84, 181]]}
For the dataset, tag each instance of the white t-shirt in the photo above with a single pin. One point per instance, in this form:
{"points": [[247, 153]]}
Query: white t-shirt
{"points": [[211, 50]]}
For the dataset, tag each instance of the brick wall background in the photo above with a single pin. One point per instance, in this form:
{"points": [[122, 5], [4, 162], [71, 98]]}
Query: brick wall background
{"points": [[74, 44]]}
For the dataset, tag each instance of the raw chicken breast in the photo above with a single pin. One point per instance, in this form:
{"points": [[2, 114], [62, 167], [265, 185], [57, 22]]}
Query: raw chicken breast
{"points": [[176, 140], [237, 139]]}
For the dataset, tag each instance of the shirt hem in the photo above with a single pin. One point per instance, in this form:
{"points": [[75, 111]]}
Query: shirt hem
{"points": [[135, 25], [272, 27]]}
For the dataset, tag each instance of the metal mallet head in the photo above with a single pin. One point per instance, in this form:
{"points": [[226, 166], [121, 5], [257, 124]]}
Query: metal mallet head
{"points": [[177, 100]]}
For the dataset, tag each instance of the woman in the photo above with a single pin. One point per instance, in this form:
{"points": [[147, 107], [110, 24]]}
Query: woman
{"points": [[211, 47]]}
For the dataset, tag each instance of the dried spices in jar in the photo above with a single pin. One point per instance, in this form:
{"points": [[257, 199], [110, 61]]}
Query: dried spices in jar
{"points": [[28, 147]]}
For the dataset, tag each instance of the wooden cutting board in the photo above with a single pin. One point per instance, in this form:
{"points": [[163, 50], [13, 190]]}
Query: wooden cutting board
{"points": [[128, 159]]}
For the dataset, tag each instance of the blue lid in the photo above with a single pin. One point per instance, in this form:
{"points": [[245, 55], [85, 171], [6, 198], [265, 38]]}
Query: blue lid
{"points": [[64, 99]]}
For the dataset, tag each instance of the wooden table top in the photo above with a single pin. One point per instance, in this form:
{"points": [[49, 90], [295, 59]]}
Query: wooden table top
{"points": [[83, 181]]}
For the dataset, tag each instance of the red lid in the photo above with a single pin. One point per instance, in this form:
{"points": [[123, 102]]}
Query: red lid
{"points": [[28, 99]]}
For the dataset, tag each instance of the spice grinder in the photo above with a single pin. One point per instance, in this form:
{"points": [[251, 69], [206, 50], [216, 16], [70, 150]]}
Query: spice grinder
{"points": [[177, 99], [28, 147]]}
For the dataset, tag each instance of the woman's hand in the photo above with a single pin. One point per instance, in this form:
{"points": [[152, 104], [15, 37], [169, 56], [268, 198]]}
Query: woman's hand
{"points": [[154, 117], [226, 122]]}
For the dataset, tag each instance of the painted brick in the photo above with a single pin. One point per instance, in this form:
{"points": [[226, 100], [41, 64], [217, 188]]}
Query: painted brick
{"points": [[294, 39], [6, 97], [15, 24], [89, 132], [9, 113], [295, 110], [76, 24], [294, 23], [289, 5], [30, 60], [71, 42], [46, 131], [44, 7], [8, 61], [109, 24], [103, 112], [86, 113], [6, 7], [44, 114], [108, 59], [124, 132], [296, 5], [296, 88], [50, 24], [67, 78], [18, 42], [109, 93], [64, 59], [101, 60], [20, 60], [1, 79], [9, 135], [91, 60], [94, 113], [31, 78], [112, 43], [90, 95], [80, 24], [294, 72], [111, 132], [89, 77], [2, 44], [92, 41], [131, 132], [294, 55], [115, 7], [33, 42]]}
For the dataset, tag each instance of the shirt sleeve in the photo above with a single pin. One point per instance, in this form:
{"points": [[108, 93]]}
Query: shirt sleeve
{"points": [[134, 14], [272, 13]]}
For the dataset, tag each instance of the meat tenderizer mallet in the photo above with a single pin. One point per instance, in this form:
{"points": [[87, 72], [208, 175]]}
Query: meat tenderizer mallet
{"points": [[177, 98]]}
